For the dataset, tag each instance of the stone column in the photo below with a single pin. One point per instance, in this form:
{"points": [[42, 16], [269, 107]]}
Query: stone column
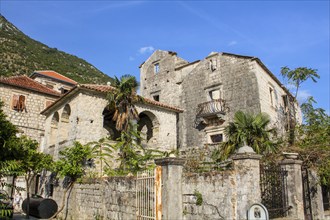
{"points": [[294, 187], [172, 207], [316, 195], [247, 168]]}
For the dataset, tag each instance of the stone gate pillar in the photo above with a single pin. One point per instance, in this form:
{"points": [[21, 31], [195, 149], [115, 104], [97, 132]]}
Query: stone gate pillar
{"points": [[247, 168], [172, 207], [294, 186]]}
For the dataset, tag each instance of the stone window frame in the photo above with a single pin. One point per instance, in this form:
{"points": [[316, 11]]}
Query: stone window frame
{"points": [[214, 131], [209, 89], [156, 66], [16, 104], [66, 113], [272, 95], [155, 94]]}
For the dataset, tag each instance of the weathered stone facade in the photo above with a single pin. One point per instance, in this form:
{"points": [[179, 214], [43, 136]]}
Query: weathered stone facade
{"points": [[241, 82], [81, 115], [111, 198], [28, 120]]}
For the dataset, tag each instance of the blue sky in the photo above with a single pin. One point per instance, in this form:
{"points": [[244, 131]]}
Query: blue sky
{"points": [[117, 36]]}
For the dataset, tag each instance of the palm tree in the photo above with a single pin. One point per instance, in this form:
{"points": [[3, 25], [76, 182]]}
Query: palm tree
{"points": [[122, 100], [251, 130]]}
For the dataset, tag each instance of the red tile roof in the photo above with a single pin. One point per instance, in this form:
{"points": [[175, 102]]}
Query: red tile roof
{"points": [[105, 88], [55, 75], [28, 83]]}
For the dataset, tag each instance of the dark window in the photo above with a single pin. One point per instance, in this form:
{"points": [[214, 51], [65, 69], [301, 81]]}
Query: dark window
{"points": [[216, 138], [156, 98]]}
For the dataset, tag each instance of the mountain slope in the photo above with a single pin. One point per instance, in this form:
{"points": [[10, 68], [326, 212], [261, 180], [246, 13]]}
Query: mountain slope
{"points": [[19, 54]]}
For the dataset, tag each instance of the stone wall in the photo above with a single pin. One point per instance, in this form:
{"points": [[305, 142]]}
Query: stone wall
{"points": [[244, 84], [85, 122], [30, 122], [110, 198], [226, 194]]}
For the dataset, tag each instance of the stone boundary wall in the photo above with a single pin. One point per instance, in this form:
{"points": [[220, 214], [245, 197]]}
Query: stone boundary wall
{"points": [[110, 198], [218, 191]]}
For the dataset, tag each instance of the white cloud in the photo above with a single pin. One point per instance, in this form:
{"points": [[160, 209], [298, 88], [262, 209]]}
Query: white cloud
{"points": [[232, 43], [148, 49]]}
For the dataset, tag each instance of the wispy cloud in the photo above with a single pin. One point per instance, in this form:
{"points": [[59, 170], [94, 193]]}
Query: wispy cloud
{"points": [[232, 43], [142, 51], [148, 49]]}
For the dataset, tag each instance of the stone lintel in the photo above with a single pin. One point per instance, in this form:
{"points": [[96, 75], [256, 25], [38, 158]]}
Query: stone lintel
{"points": [[170, 161], [290, 161], [246, 156]]}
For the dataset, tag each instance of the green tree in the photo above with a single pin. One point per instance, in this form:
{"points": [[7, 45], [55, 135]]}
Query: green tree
{"points": [[122, 100], [31, 164], [72, 165], [7, 136], [313, 140], [251, 130], [297, 77]]}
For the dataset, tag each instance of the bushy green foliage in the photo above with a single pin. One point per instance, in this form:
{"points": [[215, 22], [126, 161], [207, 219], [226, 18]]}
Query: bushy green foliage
{"points": [[313, 139], [73, 161], [20, 54], [251, 130], [7, 137]]}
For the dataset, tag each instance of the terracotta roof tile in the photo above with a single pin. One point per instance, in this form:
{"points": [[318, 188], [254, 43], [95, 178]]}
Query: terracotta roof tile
{"points": [[28, 83], [53, 74], [105, 88]]}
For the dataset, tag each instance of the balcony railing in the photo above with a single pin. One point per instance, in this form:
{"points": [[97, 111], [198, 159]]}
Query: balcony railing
{"points": [[211, 108]]}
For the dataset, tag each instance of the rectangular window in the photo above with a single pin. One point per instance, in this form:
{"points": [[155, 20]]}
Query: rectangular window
{"points": [[156, 68], [18, 103], [271, 94], [156, 98], [285, 102], [213, 65], [216, 138], [214, 94]]}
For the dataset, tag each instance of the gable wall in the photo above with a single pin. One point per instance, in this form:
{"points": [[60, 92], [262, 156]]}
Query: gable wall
{"points": [[30, 122]]}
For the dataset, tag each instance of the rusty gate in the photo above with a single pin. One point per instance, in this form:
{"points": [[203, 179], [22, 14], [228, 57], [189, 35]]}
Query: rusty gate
{"points": [[148, 194], [273, 188]]}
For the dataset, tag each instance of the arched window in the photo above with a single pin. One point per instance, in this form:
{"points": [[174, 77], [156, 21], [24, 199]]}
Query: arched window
{"points": [[66, 113], [109, 126], [148, 126], [55, 120]]}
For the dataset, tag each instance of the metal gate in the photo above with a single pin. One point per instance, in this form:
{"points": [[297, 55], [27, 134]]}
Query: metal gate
{"points": [[306, 194], [148, 194], [273, 186]]}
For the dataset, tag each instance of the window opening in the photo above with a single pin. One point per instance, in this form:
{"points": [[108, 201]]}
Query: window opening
{"points": [[156, 98], [214, 94], [213, 64], [271, 94], [18, 103], [157, 68], [285, 102], [216, 138]]}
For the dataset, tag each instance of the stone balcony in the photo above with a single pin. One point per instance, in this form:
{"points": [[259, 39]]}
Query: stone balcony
{"points": [[210, 110]]}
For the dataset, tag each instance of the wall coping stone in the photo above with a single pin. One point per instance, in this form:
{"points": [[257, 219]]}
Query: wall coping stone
{"points": [[170, 161], [290, 161], [246, 156]]}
